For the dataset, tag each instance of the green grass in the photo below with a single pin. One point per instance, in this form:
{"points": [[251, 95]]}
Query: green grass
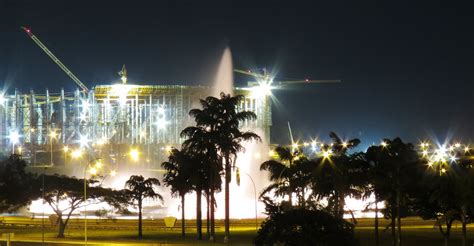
{"points": [[415, 232]]}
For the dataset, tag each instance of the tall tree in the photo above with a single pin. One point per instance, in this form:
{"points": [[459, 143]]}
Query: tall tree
{"points": [[446, 196], [178, 177], [339, 174], [398, 164], [290, 175], [141, 188], [201, 143], [220, 120]]}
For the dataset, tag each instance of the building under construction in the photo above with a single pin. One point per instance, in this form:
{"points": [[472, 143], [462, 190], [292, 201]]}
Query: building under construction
{"points": [[108, 121], [116, 122]]}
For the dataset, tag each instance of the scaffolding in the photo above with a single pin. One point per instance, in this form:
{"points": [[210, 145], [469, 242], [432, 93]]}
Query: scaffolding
{"points": [[108, 120]]}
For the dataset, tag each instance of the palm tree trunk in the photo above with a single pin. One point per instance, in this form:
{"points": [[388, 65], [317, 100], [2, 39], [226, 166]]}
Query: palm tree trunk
{"points": [[199, 213], [207, 215], [140, 234], [341, 203], [227, 199], [464, 223], [464, 234], [183, 226], [376, 224], [399, 223], [213, 222], [394, 234]]}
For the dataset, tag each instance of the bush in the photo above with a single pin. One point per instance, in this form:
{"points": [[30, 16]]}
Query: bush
{"points": [[297, 226]]}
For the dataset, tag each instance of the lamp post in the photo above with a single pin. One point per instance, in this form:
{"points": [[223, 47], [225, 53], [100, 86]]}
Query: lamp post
{"points": [[255, 193], [43, 202]]}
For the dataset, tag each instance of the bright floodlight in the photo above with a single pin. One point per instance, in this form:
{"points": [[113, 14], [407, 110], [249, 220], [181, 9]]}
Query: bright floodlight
{"points": [[113, 173], [53, 134], [263, 89], [76, 154], [441, 154], [161, 110], [2, 99], [271, 153], [294, 145], [384, 144], [99, 164], [424, 152], [85, 105], [93, 171], [14, 137], [134, 154], [345, 144], [161, 123], [83, 141], [327, 154], [66, 149]]}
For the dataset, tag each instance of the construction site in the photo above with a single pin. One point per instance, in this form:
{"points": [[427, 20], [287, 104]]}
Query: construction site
{"points": [[118, 123]]}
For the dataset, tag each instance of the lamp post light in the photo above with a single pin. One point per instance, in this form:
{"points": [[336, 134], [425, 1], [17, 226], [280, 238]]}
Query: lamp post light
{"points": [[255, 193]]}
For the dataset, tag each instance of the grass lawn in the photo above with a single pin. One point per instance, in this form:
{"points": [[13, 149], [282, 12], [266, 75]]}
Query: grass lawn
{"points": [[416, 232]]}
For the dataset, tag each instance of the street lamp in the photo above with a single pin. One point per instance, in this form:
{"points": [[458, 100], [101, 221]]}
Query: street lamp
{"points": [[255, 192]]}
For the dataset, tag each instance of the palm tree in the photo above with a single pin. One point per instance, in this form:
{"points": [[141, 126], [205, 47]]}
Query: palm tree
{"points": [[200, 143], [339, 174], [218, 123], [141, 188], [178, 177], [291, 174], [397, 170]]}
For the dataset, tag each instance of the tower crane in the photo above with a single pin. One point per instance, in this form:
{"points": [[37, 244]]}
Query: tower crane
{"points": [[55, 59], [268, 79]]}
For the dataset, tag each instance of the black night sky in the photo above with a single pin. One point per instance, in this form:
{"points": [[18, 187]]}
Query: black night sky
{"points": [[407, 68]]}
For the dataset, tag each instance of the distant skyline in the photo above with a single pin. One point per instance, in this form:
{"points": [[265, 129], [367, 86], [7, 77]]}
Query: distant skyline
{"points": [[407, 68]]}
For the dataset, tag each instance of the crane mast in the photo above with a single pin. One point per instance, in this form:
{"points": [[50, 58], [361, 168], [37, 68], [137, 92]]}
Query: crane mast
{"points": [[55, 59]]}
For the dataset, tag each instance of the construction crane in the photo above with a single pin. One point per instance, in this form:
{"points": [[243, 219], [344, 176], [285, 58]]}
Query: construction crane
{"points": [[266, 78], [55, 59]]}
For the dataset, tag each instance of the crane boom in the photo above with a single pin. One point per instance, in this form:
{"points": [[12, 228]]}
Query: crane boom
{"points": [[266, 76], [55, 59]]}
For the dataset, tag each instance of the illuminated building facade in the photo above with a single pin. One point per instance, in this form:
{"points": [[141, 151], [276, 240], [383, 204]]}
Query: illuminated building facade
{"points": [[109, 120]]}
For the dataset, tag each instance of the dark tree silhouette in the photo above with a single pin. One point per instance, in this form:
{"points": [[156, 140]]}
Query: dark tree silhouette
{"points": [[14, 178], [446, 197], [339, 175], [290, 225], [60, 189], [218, 123], [291, 175], [179, 170], [141, 188], [397, 168]]}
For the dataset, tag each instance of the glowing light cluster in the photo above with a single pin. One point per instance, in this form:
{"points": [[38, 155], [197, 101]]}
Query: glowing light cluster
{"points": [[262, 90], [443, 155]]}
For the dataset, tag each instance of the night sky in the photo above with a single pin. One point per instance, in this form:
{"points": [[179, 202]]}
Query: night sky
{"points": [[407, 68]]}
